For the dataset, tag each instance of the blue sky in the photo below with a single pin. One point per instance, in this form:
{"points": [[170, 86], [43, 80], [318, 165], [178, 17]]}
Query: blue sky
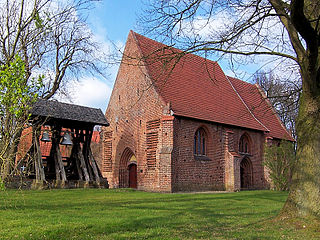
{"points": [[116, 17], [110, 21]]}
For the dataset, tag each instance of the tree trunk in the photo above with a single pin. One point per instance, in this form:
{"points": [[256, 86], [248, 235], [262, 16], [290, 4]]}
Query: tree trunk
{"points": [[304, 196], [37, 156], [5, 168], [15, 147]]}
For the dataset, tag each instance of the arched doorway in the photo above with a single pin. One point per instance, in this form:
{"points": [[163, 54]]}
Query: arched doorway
{"points": [[128, 170], [246, 174]]}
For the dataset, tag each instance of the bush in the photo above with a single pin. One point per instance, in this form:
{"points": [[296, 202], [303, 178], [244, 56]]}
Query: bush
{"points": [[280, 160], [2, 185]]}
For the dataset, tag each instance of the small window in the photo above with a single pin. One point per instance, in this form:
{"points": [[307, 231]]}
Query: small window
{"points": [[200, 142], [244, 146]]}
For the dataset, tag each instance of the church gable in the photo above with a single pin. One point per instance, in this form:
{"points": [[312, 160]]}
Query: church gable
{"points": [[134, 111]]}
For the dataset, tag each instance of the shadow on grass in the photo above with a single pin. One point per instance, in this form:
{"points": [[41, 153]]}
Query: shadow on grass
{"points": [[118, 214]]}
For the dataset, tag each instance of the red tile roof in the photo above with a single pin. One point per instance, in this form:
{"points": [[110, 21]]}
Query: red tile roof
{"points": [[198, 88], [259, 105]]}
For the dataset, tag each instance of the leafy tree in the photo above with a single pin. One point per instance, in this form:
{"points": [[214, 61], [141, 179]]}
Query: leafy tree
{"points": [[286, 30], [16, 98]]}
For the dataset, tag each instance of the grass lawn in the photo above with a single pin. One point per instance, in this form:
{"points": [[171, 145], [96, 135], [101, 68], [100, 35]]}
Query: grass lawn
{"points": [[128, 214]]}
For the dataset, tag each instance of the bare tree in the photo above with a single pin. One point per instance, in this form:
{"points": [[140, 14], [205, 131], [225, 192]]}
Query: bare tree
{"points": [[283, 95], [53, 40], [286, 30]]}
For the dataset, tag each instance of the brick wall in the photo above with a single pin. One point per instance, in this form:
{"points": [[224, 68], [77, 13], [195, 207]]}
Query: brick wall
{"points": [[193, 173], [255, 155]]}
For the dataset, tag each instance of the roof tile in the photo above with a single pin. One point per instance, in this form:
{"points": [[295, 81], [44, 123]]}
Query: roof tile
{"points": [[198, 88]]}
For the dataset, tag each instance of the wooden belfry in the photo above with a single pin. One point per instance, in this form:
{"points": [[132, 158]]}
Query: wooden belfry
{"points": [[61, 119]]}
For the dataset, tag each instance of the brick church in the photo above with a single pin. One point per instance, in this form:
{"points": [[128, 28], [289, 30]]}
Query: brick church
{"points": [[178, 123]]}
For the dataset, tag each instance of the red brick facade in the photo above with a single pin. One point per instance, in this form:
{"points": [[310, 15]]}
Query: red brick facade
{"points": [[145, 131], [133, 105]]}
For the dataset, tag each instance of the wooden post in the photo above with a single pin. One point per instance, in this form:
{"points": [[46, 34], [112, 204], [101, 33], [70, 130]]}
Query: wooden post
{"points": [[82, 163], [79, 169], [89, 155], [55, 150], [60, 163], [86, 146], [94, 166], [74, 156], [53, 156]]}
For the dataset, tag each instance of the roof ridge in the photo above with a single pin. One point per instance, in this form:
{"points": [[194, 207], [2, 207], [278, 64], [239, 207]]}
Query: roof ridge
{"points": [[234, 89], [175, 48], [67, 103], [242, 81]]}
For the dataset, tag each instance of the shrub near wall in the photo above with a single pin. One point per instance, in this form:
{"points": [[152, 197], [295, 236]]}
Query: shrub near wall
{"points": [[2, 185], [280, 160]]}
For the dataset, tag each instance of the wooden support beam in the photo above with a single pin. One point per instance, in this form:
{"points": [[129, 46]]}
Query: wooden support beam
{"points": [[79, 169], [60, 163], [78, 154], [94, 166], [74, 156], [87, 152], [83, 165], [55, 150], [86, 147], [53, 156]]}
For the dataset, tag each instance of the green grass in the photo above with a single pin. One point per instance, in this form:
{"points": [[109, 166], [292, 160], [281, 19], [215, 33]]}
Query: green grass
{"points": [[128, 214]]}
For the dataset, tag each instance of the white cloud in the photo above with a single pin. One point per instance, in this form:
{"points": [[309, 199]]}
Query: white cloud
{"points": [[205, 27], [90, 92]]}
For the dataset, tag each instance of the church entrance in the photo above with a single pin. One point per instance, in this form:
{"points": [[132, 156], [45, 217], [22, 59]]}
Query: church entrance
{"points": [[132, 175], [128, 170], [246, 174]]}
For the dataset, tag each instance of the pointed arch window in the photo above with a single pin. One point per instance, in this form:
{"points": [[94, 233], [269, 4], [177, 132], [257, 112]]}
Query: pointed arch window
{"points": [[200, 142], [244, 144]]}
